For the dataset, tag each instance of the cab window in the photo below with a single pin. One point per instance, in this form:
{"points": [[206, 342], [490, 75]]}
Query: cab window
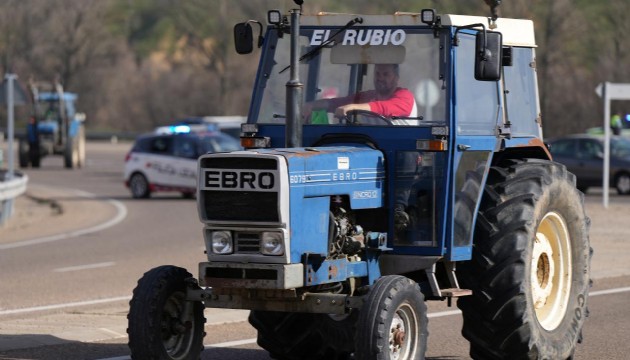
{"points": [[477, 102], [161, 146], [186, 147]]}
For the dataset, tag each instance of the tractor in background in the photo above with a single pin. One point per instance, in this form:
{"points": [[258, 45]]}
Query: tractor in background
{"points": [[54, 127]]}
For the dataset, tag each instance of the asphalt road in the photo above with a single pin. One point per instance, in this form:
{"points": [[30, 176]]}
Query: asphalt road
{"points": [[65, 297]]}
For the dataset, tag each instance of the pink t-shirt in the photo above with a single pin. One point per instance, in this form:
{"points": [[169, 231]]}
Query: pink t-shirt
{"points": [[400, 104]]}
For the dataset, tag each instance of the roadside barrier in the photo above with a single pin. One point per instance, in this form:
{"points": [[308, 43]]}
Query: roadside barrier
{"points": [[9, 190]]}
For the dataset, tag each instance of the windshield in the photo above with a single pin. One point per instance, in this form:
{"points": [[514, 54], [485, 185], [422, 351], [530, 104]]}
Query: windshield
{"points": [[393, 73], [219, 143]]}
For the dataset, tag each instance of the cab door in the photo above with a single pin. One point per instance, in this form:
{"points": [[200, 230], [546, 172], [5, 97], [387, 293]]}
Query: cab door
{"points": [[477, 112]]}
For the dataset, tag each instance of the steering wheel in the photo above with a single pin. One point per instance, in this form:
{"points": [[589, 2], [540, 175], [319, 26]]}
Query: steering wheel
{"points": [[354, 113]]}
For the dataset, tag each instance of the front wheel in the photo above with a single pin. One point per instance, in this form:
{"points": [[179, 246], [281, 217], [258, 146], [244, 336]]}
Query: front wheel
{"points": [[392, 321], [139, 186], [530, 266], [162, 323]]}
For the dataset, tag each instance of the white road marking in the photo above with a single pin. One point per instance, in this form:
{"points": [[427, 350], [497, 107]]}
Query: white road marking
{"points": [[121, 213], [231, 343], [609, 291], [65, 305], [443, 313], [112, 332], [85, 267]]}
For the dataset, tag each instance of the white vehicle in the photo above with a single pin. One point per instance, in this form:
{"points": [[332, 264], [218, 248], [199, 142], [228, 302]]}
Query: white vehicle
{"points": [[230, 125], [167, 161]]}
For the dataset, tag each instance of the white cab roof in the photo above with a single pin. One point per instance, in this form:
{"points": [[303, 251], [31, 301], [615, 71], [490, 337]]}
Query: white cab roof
{"points": [[516, 32]]}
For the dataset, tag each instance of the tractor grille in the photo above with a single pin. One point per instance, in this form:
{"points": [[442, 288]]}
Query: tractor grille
{"points": [[247, 243], [242, 205]]}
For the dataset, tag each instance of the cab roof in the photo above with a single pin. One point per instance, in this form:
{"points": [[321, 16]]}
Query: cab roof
{"points": [[516, 32]]}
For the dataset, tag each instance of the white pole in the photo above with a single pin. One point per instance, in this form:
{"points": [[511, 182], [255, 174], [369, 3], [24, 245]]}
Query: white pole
{"points": [[10, 126], [606, 174]]}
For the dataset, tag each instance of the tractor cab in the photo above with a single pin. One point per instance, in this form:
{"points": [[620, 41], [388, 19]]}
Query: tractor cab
{"points": [[448, 67]]}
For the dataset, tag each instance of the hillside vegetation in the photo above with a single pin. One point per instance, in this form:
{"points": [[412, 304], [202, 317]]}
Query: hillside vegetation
{"points": [[139, 63]]}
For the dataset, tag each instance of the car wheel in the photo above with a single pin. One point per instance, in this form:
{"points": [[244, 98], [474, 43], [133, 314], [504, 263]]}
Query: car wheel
{"points": [[188, 195], [622, 183], [139, 186]]}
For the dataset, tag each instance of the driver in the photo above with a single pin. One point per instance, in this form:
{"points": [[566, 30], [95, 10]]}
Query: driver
{"points": [[386, 99]]}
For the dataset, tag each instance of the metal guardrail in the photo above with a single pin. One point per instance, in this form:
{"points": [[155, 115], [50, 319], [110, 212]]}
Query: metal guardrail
{"points": [[9, 190]]}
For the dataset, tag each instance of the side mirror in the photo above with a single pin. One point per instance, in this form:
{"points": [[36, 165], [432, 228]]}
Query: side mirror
{"points": [[488, 56], [243, 38]]}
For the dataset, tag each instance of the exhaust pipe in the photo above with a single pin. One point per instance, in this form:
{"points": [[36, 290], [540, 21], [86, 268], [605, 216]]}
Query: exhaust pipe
{"points": [[293, 131]]}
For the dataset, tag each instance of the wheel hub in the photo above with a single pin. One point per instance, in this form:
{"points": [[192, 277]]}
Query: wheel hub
{"points": [[623, 184], [397, 336], [543, 270], [551, 266]]}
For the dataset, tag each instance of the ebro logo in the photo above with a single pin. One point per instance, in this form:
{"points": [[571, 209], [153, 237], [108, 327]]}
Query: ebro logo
{"points": [[236, 180], [372, 37]]}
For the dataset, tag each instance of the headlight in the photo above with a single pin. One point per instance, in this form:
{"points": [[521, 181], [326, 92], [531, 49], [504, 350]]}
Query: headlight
{"points": [[272, 243], [222, 242]]}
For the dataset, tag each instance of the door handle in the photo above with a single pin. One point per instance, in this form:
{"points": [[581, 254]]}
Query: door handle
{"points": [[462, 147]]}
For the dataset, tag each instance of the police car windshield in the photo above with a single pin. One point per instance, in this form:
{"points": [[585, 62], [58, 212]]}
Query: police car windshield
{"points": [[219, 143], [346, 67]]}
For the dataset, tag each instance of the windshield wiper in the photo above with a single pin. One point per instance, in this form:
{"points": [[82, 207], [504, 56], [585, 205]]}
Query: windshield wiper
{"points": [[310, 54]]}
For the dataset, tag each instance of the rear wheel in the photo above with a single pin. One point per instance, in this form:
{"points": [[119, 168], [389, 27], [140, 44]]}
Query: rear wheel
{"points": [[393, 321], [188, 195], [162, 323], [530, 267], [35, 156], [622, 183], [139, 186], [81, 147], [71, 153], [299, 336], [23, 153]]}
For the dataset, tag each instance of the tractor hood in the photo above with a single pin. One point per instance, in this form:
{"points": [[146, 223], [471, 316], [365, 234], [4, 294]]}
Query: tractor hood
{"points": [[251, 185]]}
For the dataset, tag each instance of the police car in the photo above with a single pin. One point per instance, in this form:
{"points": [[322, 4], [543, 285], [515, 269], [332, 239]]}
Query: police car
{"points": [[166, 160]]}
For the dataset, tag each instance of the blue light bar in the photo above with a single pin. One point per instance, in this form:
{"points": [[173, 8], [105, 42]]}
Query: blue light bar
{"points": [[180, 129]]}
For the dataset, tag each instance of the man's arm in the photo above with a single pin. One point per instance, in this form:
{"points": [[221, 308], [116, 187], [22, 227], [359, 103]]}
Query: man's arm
{"points": [[400, 104]]}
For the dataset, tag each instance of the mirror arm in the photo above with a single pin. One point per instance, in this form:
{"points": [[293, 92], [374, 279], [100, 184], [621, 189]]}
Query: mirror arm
{"points": [[260, 37], [471, 26], [484, 52]]}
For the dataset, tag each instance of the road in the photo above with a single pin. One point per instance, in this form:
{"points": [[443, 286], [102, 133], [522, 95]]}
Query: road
{"points": [[65, 297]]}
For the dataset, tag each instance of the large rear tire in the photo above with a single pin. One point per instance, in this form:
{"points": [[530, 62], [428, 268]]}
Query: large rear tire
{"points": [[81, 147], [530, 267], [162, 323], [299, 336], [71, 154], [393, 322]]}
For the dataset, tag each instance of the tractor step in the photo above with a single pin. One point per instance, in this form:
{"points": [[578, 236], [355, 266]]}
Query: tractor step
{"points": [[455, 292]]}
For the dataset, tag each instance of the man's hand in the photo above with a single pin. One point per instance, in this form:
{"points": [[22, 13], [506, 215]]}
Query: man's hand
{"points": [[343, 110], [401, 218]]}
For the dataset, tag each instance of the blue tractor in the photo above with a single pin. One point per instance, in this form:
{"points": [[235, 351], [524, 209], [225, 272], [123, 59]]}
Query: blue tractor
{"points": [[54, 128], [334, 230]]}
